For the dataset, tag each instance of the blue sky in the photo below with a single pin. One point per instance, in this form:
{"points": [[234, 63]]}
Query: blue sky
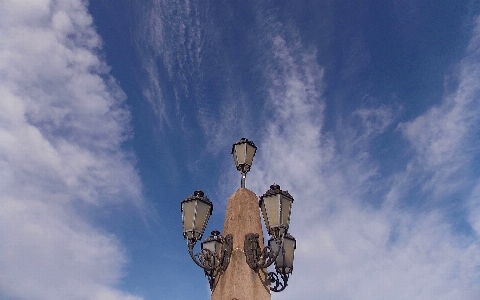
{"points": [[113, 112]]}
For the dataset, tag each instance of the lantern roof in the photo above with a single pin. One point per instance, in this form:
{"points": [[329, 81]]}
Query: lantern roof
{"points": [[275, 190], [199, 195], [215, 236], [243, 141]]}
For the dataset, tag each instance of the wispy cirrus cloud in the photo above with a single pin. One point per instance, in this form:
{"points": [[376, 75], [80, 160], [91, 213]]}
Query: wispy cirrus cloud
{"points": [[185, 72], [171, 35], [62, 123], [348, 248], [445, 137]]}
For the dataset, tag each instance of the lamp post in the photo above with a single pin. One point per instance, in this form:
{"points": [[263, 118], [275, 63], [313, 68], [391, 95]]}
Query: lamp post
{"points": [[236, 265]]}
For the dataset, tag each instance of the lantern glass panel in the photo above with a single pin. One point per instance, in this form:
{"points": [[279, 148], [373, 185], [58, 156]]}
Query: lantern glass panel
{"points": [[202, 215], [240, 154], [250, 153], [274, 245], [264, 214], [280, 260], [188, 217], [289, 245], [286, 209], [213, 245], [272, 209]]}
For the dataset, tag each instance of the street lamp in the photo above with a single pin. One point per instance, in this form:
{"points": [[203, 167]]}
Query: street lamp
{"points": [[276, 207], [243, 152], [196, 210], [283, 264], [216, 251]]}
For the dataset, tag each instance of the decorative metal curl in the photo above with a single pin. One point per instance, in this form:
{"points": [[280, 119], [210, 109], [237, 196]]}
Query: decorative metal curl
{"points": [[278, 283], [256, 257], [212, 264]]}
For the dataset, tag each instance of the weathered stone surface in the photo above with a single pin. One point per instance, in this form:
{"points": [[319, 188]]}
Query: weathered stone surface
{"points": [[239, 281]]}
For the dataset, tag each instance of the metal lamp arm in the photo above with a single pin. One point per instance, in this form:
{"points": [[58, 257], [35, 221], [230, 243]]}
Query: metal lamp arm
{"points": [[268, 257], [202, 258], [211, 263], [257, 258], [200, 261]]}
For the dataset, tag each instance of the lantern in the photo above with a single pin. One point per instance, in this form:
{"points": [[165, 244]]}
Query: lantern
{"points": [[243, 152], [276, 206], [214, 246], [284, 261], [196, 210]]}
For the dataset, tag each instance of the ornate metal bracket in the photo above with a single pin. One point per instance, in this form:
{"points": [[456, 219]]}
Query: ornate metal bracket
{"points": [[212, 263], [255, 256], [261, 259], [278, 281]]}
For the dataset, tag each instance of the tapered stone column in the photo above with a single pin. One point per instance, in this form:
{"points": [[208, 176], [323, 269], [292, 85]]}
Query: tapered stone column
{"points": [[239, 281]]}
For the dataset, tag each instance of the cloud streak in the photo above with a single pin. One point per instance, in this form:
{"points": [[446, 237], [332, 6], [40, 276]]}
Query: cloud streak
{"points": [[184, 70], [444, 138], [171, 35], [62, 123]]}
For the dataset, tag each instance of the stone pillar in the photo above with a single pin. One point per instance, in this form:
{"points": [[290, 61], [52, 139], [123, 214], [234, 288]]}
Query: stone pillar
{"points": [[239, 281]]}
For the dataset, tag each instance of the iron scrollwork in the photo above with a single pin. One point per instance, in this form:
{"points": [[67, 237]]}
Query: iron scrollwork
{"points": [[255, 256], [213, 263], [278, 281], [261, 259]]}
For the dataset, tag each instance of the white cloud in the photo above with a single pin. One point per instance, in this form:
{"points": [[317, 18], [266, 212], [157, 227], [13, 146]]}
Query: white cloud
{"points": [[444, 138], [62, 122], [179, 40], [169, 33], [362, 254], [473, 205], [374, 121], [347, 248]]}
